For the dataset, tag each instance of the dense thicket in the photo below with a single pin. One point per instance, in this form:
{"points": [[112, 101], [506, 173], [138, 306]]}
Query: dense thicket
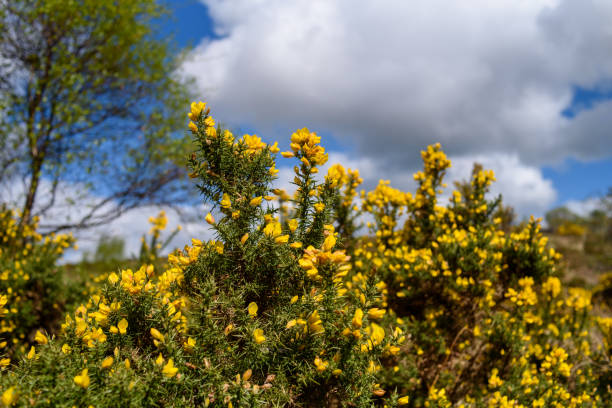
{"points": [[437, 306]]}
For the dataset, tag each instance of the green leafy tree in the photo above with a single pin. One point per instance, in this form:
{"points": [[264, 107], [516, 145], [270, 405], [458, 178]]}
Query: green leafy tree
{"points": [[558, 216], [89, 97], [109, 249]]}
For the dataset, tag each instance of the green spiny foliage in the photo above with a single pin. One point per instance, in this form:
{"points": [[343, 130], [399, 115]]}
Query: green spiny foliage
{"points": [[261, 316]]}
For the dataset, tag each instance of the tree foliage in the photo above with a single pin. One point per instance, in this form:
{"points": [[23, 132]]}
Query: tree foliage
{"points": [[88, 98]]}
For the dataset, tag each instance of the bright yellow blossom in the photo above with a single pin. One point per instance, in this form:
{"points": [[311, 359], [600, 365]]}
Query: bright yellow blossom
{"points": [[107, 362], [252, 309], [82, 380], [9, 397], [258, 336], [122, 326], [169, 369], [40, 338]]}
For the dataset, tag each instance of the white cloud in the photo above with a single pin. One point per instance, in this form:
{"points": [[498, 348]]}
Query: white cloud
{"points": [[73, 202], [132, 225], [583, 207], [391, 77], [522, 186]]}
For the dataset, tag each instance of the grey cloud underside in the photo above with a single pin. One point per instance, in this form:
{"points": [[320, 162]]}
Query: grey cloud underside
{"points": [[486, 79], [479, 78]]}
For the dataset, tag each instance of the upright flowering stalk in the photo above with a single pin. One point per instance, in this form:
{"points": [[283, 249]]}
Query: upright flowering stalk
{"points": [[289, 302]]}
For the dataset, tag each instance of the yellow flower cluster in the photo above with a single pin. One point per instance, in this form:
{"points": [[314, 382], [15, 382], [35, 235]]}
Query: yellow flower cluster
{"points": [[312, 259], [305, 146], [24, 253], [478, 302], [287, 306], [158, 224]]}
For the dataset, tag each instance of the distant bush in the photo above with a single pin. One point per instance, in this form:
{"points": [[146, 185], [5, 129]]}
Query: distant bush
{"points": [[571, 229], [109, 249]]}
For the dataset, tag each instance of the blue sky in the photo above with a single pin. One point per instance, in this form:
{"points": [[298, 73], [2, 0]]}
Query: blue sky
{"points": [[572, 174], [190, 22], [575, 180]]}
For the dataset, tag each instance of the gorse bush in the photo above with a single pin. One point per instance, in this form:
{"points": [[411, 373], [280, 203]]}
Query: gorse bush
{"points": [[485, 313], [32, 292], [438, 306], [262, 315]]}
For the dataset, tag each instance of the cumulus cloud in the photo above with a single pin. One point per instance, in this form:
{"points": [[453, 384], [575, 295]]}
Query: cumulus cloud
{"points": [[132, 225], [521, 185], [73, 201], [584, 207], [391, 77]]}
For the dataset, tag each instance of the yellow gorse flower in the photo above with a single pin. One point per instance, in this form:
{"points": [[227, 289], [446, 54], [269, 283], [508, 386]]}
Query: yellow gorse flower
{"points": [[40, 338], [376, 313], [157, 334], [252, 309], [403, 400], [9, 397], [82, 380], [196, 110], [122, 326], [315, 325], [189, 344], [169, 369], [357, 320], [320, 364], [107, 362], [258, 336], [225, 201]]}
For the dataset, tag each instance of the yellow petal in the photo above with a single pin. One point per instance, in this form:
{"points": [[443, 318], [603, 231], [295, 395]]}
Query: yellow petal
{"points": [[107, 362], [122, 326], [252, 309]]}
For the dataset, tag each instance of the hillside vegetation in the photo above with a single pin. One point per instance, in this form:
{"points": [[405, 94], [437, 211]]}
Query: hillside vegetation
{"points": [[439, 304]]}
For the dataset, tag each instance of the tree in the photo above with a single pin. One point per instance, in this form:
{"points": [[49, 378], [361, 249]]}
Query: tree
{"points": [[559, 216], [89, 99], [109, 249]]}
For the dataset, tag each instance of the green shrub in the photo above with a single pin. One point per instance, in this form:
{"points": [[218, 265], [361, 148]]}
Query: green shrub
{"points": [[488, 321], [438, 306], [261, 316], [32, 294]]}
